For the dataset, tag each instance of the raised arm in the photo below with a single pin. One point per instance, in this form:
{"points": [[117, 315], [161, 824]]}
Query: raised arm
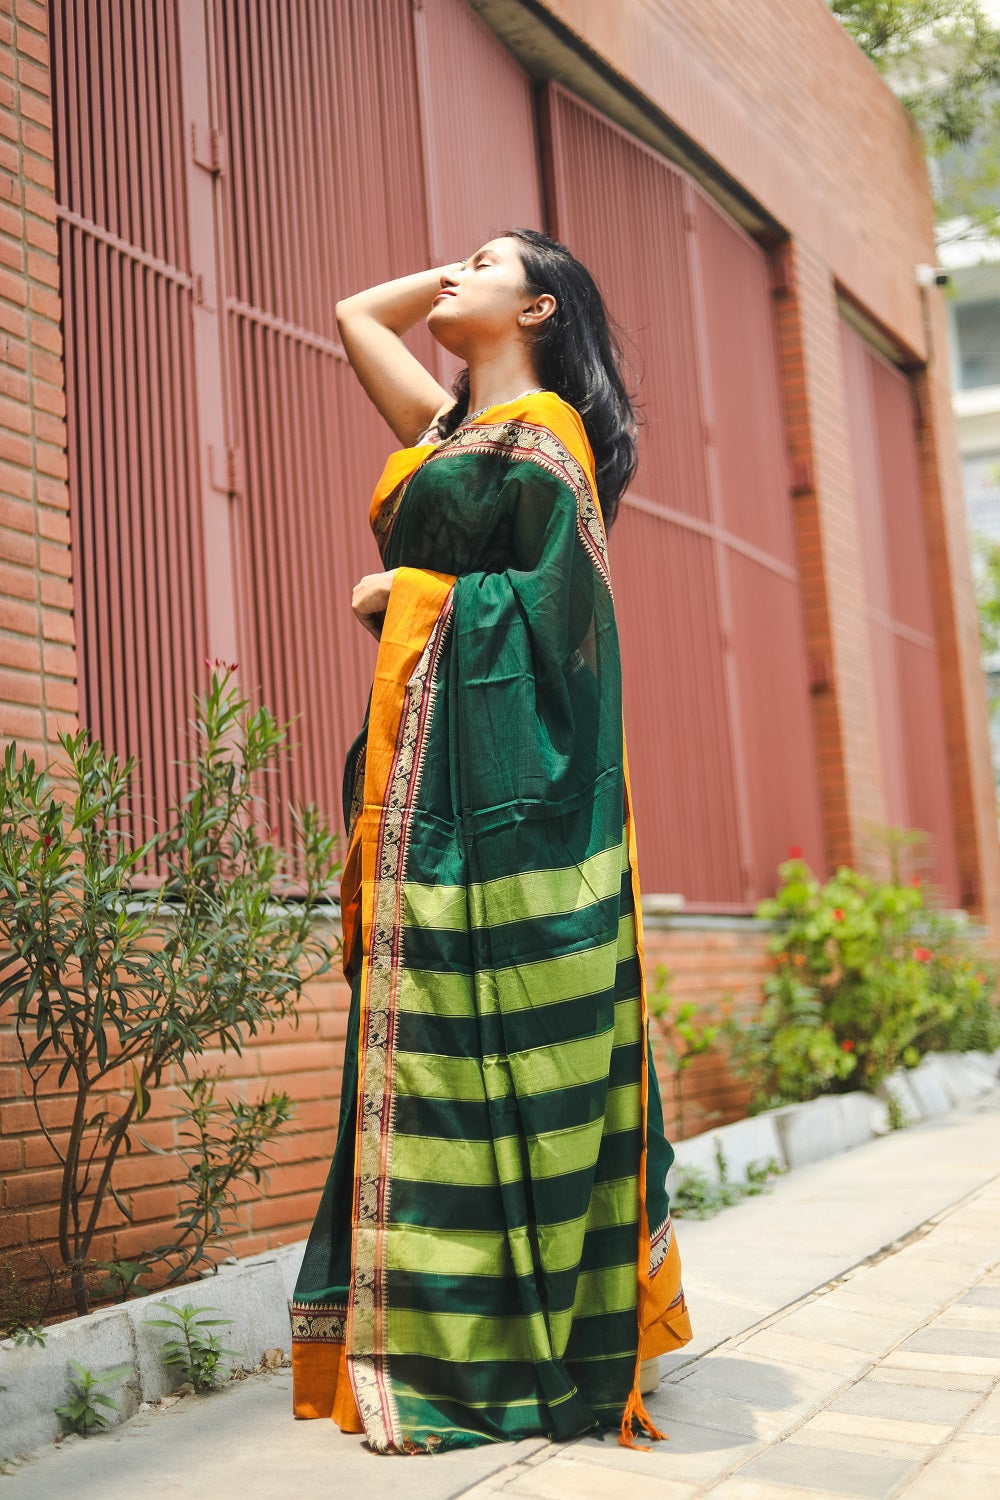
{"points": [[371, 325]]}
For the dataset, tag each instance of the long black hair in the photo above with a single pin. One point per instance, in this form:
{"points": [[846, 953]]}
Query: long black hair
{"points": [[578, 356]]}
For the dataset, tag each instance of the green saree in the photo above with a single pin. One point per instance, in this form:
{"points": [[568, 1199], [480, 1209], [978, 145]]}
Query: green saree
{"points": [[493, 1253]]}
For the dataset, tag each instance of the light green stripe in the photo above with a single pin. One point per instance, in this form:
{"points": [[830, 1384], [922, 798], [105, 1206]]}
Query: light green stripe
{"points": [[426, 992], [518, 986], [516, 898], [472, 1252], [464, 1336], [550, 980], [611, 1203], [453, 1252], [439, 906], [431, 1075], [541, 893], [609, 1290], [624, 1108], [545, 1068], [466, 1163]]}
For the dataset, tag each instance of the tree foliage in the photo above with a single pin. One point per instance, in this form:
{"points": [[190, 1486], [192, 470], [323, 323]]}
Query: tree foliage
{"points": [[942, 60]]}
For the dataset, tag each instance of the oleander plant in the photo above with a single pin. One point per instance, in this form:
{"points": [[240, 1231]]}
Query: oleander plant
{"points": [[117, 986]]}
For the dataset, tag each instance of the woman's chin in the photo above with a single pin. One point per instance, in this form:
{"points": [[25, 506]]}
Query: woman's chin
{"points": [[447, 336]]}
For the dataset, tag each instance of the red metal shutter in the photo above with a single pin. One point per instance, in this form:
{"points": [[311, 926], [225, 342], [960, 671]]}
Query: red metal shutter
{"points": [[127, 289], [323, 195], [761, 591], [709, 604], [884, 451], [482, 165]]}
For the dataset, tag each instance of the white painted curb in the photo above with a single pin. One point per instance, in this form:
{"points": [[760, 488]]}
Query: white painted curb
{"points": [[254, 1292], [796, 1134]]}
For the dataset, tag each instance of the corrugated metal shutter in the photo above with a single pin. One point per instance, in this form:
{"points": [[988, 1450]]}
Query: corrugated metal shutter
{"points": [[479, 98], [135, 490], [225, 174], [323, 195], [716, 689], [884, 451]]}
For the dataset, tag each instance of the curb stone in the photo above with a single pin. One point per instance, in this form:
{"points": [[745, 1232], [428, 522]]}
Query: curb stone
{"points": [[797, 1134], [254, 1293]]}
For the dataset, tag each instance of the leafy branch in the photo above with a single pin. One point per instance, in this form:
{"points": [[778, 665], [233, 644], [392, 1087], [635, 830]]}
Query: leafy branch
{"points": [[110, 982]]}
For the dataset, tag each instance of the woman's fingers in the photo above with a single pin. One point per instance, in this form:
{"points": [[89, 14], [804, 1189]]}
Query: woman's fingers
{"points": [[369, 600]]}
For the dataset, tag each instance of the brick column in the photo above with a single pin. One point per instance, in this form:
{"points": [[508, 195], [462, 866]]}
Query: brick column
{"points": [[37, 641]]}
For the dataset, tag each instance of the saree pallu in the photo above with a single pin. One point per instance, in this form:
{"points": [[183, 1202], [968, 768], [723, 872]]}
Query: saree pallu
{"points": [[493, 1254]]}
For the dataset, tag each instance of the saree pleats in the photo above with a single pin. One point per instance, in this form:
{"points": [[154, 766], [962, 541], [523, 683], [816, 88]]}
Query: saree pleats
{"points": [[493, 1255]]}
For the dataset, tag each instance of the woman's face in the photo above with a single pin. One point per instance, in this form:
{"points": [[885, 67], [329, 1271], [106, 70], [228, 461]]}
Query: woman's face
{"points": [[484, 301]]}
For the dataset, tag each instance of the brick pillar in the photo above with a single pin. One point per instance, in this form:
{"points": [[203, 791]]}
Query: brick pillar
{"points": [[37, 642]]}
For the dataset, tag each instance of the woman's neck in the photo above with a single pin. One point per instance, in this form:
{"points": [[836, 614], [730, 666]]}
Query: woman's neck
{"points": [[500, 377]]}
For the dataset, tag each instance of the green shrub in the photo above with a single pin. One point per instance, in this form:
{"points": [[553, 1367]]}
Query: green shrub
{"points": [[105, 978], [866, 978]]}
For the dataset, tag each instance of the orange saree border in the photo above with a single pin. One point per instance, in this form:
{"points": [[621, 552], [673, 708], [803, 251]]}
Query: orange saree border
{"points": [[321, 1368], [662, 1312]]}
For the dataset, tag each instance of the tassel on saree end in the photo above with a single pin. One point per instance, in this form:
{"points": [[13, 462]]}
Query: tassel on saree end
{"points": [[635, 1410]]}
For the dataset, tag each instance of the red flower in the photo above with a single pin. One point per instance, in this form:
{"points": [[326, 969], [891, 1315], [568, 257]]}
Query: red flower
{"points": [[923, 954], [981, 978], [847, 1046], [838, 913], [48, 840], [794, 851], [916, 880]]}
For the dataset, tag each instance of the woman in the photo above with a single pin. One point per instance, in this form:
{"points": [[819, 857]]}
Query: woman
{"points": [[492, 1257]]}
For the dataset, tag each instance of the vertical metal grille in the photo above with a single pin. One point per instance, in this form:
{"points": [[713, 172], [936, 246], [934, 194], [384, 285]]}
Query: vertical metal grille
{"points": [[323, 195], [472, 94], [135, 504], [913, 746], [709, 603]]}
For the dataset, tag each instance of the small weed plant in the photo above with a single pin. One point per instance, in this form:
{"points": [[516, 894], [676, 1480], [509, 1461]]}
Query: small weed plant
{"points": [[30, 1338], [697, 1195], [87, 1410], [197, 1355]]}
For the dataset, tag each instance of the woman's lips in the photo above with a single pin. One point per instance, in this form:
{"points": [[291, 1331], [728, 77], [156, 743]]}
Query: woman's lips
{"points": [[442, 293]]}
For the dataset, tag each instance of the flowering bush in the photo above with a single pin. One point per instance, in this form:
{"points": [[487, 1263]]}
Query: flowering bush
{"points": [[865, 977]]}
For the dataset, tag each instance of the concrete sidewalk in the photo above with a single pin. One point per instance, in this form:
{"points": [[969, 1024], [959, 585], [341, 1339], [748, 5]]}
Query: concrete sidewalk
{"points": [[847, 1343]]}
